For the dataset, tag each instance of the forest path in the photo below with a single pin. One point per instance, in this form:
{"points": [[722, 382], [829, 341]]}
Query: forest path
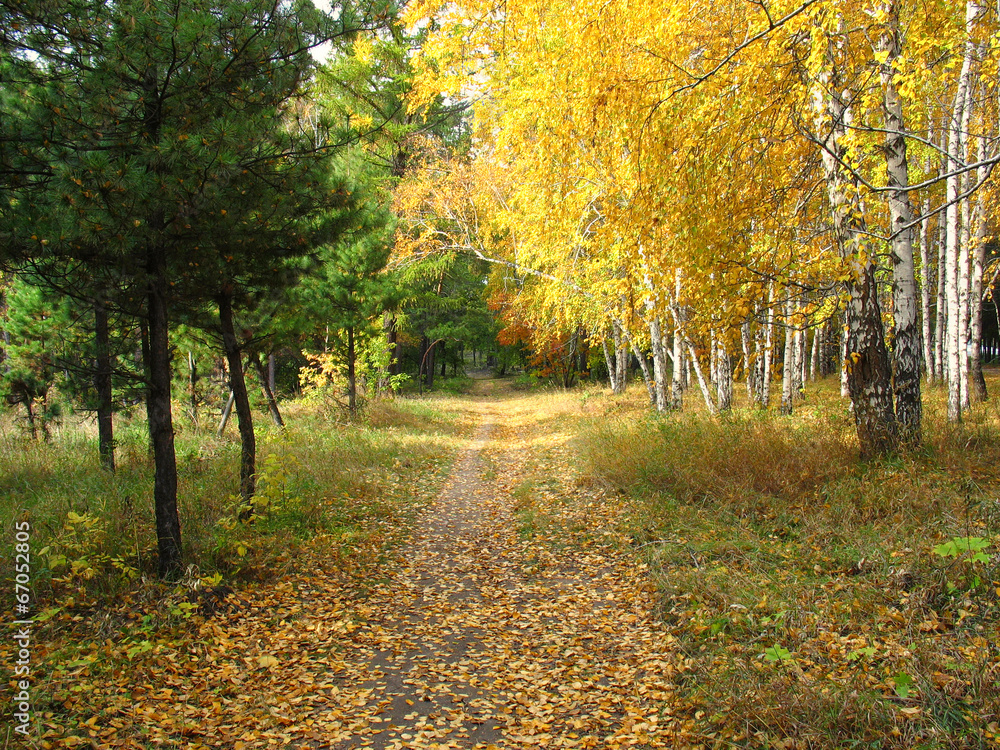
{"points": [[516, 619], [513, 616]]}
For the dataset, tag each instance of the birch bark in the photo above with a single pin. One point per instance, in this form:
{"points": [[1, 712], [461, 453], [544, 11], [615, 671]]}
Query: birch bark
{"points": [[906, 351], [941, 318], [724, 375], [869, 374], [788, 363], [925, 295], [957, 259]]}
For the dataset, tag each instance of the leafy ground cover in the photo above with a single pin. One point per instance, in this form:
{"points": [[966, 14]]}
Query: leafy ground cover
{"points": [[587, 576], [820, 602], [335, 499]]}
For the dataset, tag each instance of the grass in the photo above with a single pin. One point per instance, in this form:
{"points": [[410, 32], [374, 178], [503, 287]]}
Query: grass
{"points": [[343, 493], [803, 584], [335, 499], [332, 477]]}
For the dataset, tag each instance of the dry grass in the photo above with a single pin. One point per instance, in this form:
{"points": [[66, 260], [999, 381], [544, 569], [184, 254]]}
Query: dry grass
{"points": [[802, 583], [355, 484]]}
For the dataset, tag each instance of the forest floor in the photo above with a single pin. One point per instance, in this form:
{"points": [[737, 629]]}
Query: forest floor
{"points": [[507, 568], [514, 616]]}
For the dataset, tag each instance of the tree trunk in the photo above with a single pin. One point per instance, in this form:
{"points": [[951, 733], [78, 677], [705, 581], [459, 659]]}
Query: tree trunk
{"points": [[724, 373], [941, 318], [244, 416], [749, 365], [646, 376], [869, 374], [352, 377], [102, 384], [814, 355], [801, 365], [925, 295], [766, 363], [193, 389], [788, 362], [677, 371], [392, 366], [957, 256], [964, 277], [844, 390], [906, 352], [659, 364], [612, 369], [160, 419], [227, 410], [29, 405], [264, 374], [621, 357], [706, 392], [977, 384]]}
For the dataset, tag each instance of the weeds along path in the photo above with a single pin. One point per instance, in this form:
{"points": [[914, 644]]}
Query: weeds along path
{"points": [[513, 617], [515, 620]]}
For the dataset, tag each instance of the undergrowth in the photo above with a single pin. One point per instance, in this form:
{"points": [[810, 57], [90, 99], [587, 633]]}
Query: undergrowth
{"points": [[822, 602], [332, 496]]}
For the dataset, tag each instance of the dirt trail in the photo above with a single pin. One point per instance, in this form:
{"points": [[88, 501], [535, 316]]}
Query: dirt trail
{"points": [[515, 620]]}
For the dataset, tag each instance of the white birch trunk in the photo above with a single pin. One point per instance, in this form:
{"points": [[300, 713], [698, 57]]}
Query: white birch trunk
{"points": [[956, 282], [612, 369], [801, 363], [814, 356], [977, 383], [965, 282], [788, 364], [941, 319], [906, 352], [724, 378], [677, 371], [925, 294], [706, 391], [659, 364], [844, 391], [768, 358]]}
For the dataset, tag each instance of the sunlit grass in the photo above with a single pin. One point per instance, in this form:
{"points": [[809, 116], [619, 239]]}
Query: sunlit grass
{"points": [[766, 536], [351, 480]]}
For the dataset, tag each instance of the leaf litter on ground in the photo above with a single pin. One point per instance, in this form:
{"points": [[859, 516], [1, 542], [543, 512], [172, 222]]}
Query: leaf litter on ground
{"points": [[515, 616]]}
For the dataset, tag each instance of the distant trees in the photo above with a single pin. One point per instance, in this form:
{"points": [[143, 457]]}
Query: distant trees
{"points": [[693, 177], [156, 139]]}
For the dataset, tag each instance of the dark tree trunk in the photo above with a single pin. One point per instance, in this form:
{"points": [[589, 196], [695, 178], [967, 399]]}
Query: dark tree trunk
{"points": [[352, 376], [161, 426], [869, 373], [30, 407], [444, 362], [266, 384], [244, 417], [102, 384], [193, 388], [429, 366], [227, 410]]}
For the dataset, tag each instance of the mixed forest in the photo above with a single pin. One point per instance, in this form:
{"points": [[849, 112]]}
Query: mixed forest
{"points": [[314, 220]]}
